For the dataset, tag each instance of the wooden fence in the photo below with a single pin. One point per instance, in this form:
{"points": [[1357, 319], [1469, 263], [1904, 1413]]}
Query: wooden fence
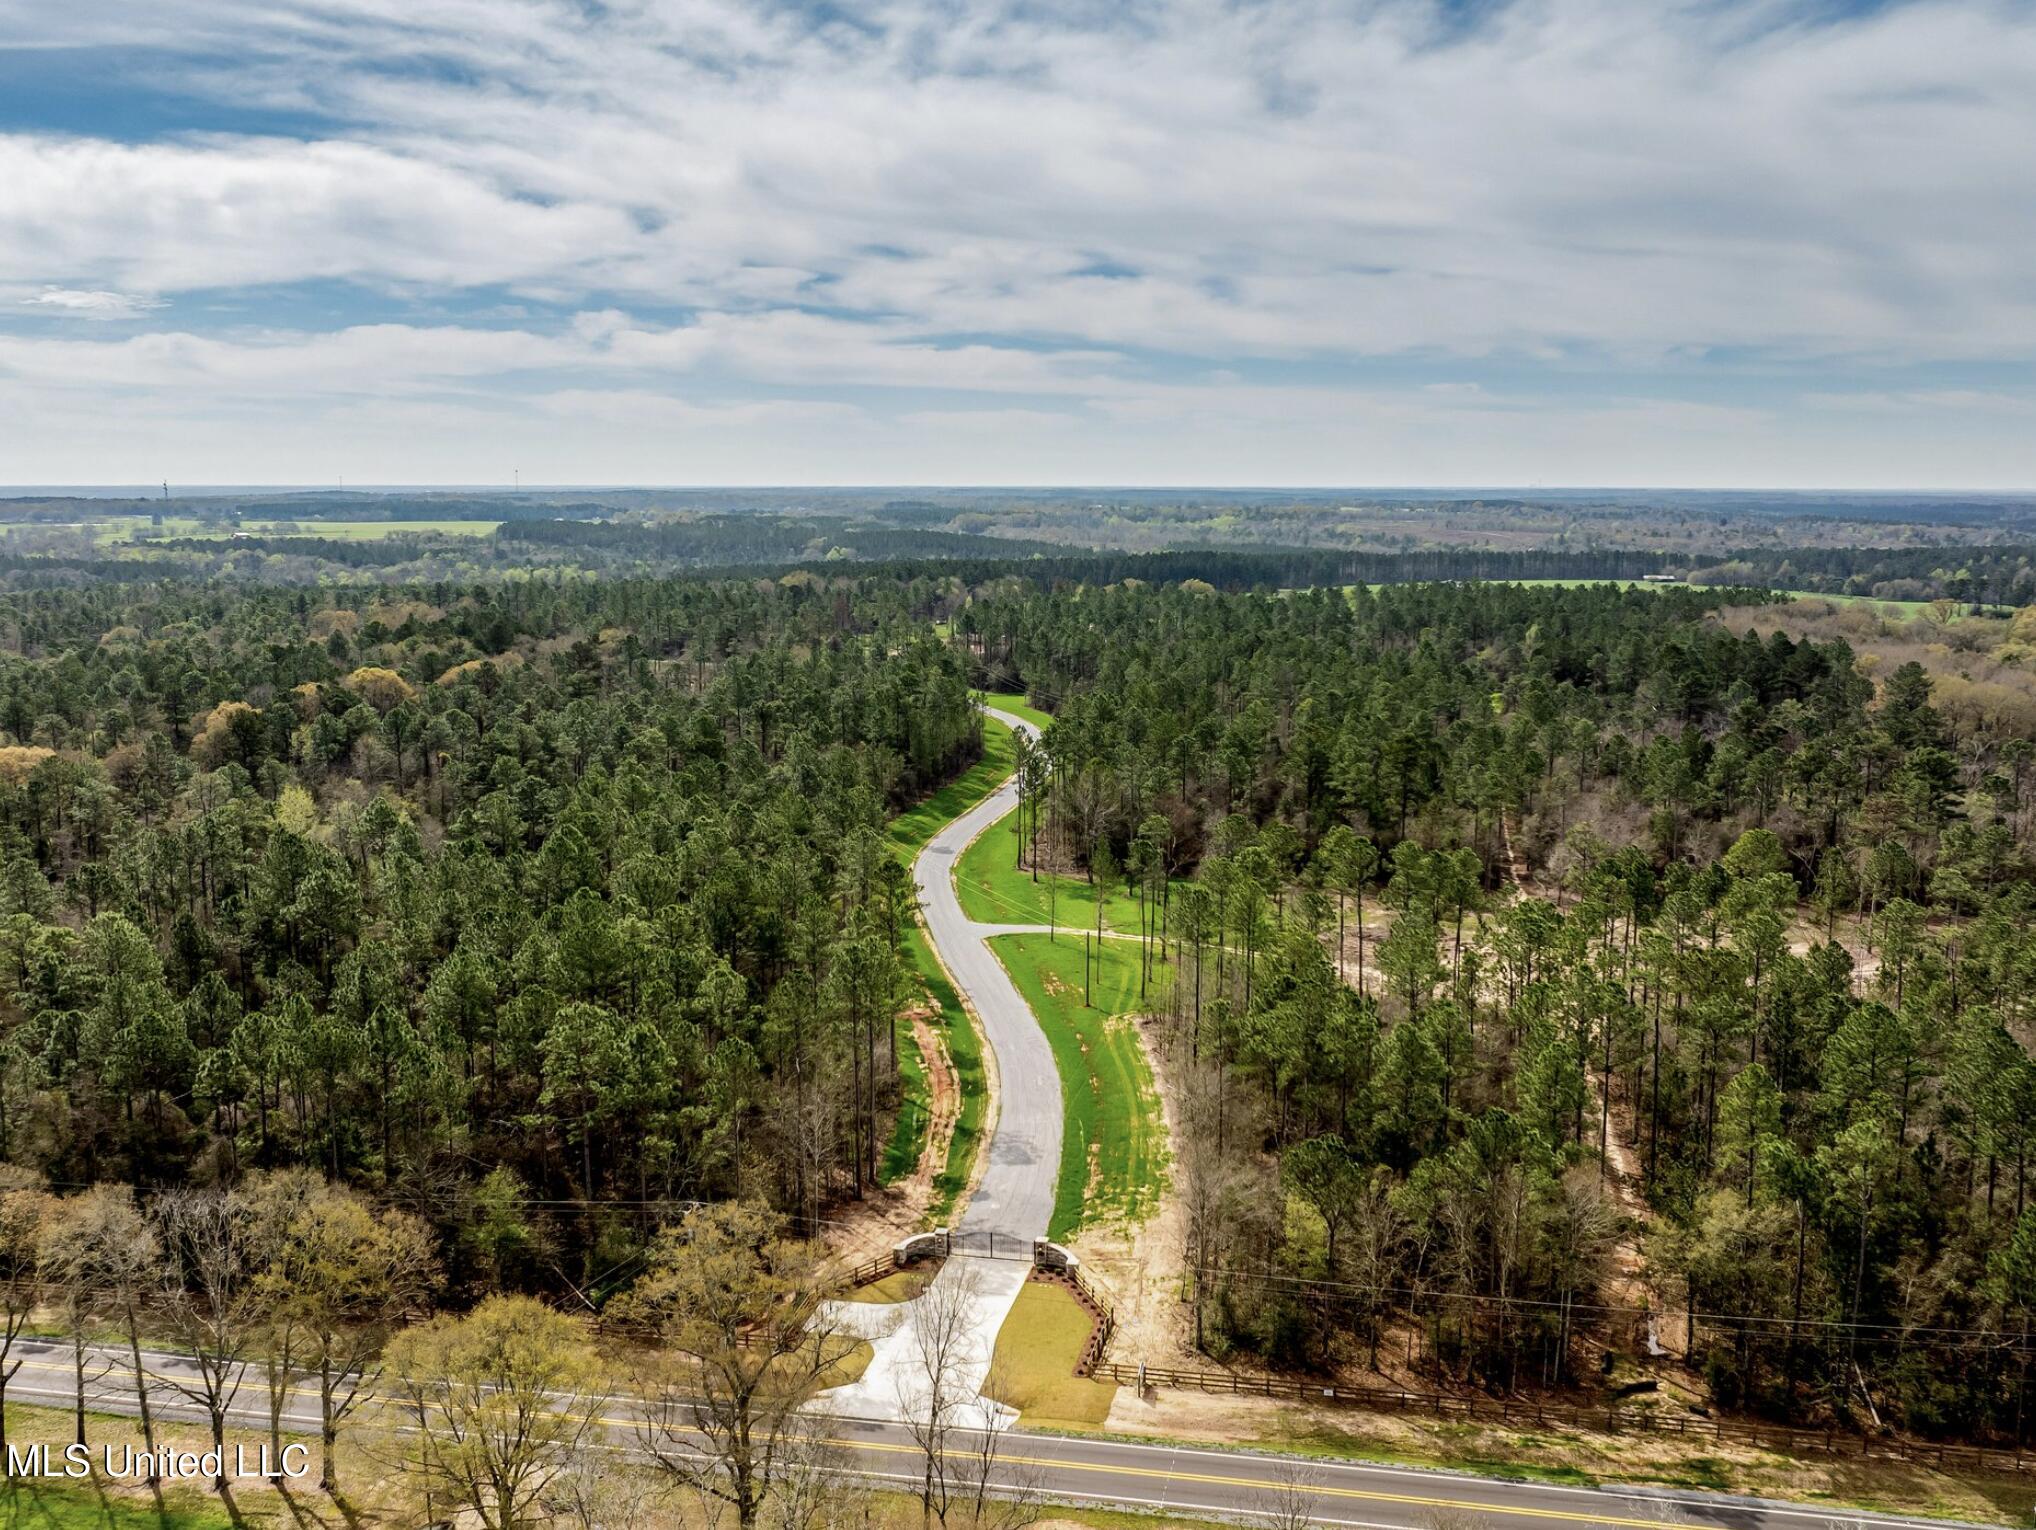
{"points": [[1783, 1438]]}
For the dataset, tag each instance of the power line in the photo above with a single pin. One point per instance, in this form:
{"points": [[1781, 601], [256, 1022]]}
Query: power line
{"points": [[1410, 1295]]}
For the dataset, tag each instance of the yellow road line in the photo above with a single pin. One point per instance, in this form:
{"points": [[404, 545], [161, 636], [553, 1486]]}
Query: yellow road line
{"points": [[1211, 1479], [1205, 1479]]}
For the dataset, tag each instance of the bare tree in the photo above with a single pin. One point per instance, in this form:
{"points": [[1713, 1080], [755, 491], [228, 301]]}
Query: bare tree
{"points": [[1287, 1502], [935, 1398], [593, 1493], [945, 1397], [214, 1296], [25, 1219], [106, 1259], [815, 1490], [999, 1493], [71, 1276]]}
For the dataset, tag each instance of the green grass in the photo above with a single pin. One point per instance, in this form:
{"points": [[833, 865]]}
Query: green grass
{"points": [[53, 1505], [908, 835], [1113, 1153], [898, 1286], [994, 891], [915, 1108], [965, 1052], [911, 829], [1037, 1350], [1018, 706]]}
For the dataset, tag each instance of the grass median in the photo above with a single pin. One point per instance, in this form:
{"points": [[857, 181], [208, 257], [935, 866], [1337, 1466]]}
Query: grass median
{"points": [[994, 890], [1113, 1156], [907, 836]]}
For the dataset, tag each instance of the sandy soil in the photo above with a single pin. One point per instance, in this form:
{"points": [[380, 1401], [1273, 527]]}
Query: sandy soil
{"points": [[1140, 1265], [864, 1230]]}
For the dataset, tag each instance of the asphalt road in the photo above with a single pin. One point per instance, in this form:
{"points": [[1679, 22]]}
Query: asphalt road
{"points": [[1014, 1202], [1187, 1480], [1010, 1209]]}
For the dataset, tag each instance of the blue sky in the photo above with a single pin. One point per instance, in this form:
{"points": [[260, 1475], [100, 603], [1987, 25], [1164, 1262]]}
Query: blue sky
{"points": [[1461, 242]]}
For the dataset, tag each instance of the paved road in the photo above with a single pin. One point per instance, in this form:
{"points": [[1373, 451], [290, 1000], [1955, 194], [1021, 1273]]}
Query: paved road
{"points": [[1011, 1208], [1184, 1479], [1021, 1161], [1014, 1202]]}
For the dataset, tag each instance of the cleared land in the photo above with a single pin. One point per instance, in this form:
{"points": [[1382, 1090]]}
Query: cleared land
{"points": [[908, 835], [965, 1053], [1113, 1145]]}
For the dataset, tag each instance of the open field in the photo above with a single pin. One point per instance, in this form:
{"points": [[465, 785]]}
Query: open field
{"points": [[135, 529], [1037, 1350], [1113, 1148]]}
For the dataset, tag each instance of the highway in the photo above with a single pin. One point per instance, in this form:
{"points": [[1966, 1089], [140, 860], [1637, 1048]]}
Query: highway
{"points": [[1011, 1207], [1181, 1479]]}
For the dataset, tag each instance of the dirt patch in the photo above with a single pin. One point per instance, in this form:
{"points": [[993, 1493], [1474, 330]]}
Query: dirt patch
{"points": [[867, 1229], [1358, 960], [1140, 1264]]}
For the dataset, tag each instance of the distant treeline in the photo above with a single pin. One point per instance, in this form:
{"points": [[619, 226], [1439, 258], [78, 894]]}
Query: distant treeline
{"points": [[1233, 569], [768, 544], [777, 539], [43, 509], [2004, 575]]}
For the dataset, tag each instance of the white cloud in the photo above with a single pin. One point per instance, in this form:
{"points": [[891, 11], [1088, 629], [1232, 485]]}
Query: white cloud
{"points": [[1028, 212], [82, 304]]}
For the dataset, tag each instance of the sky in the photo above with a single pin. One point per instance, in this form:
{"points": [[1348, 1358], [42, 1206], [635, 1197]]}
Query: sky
{"points": [[1704, 243]]}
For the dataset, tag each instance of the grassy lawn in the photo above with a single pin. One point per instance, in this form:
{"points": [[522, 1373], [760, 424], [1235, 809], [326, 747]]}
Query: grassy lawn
{"points": [[1113, 1152], [994, 891], [1034, 1367], [52, 1505], [911, 829], [849, 1365], [898, 1286], [1018, 706], [908, 835], [965, 1051]]}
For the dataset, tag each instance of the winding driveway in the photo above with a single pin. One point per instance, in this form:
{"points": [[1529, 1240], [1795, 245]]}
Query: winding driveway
{"points": [[1013, 1202]]}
